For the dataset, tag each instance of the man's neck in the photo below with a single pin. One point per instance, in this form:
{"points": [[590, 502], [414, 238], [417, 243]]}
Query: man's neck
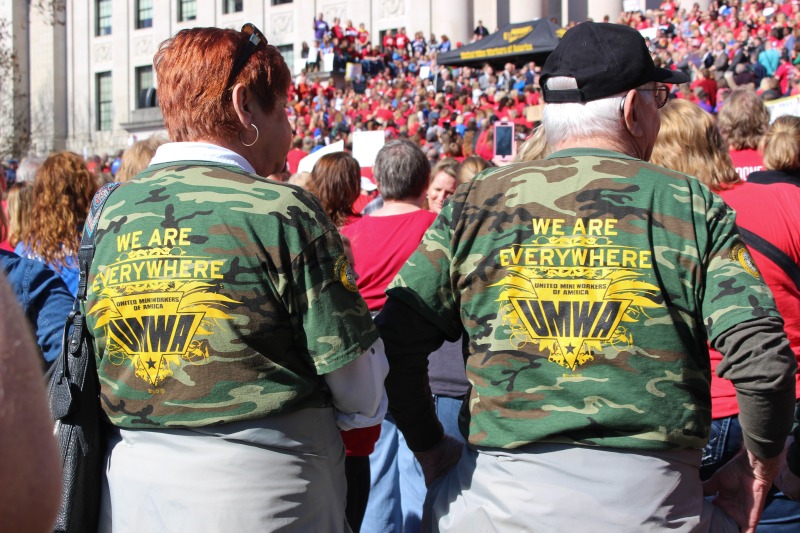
{"points": [[600, 143]]}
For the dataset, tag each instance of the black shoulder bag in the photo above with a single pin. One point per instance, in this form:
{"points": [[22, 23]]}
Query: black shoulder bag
{"points": [[73, 393]]}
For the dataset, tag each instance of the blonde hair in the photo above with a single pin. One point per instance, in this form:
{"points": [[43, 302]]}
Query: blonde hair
{"points": [[535, 146], [20, 200], [690, 142], [781, 144], [470, 167], [743, 119], [137, 157]]}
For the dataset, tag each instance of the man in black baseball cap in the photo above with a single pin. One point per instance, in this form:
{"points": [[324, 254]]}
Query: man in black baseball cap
{"points": [[604, 59], [589, 284]]}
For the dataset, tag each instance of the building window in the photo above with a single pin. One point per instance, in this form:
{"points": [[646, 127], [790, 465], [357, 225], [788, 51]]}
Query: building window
{"points": [[144, 14], [145, 88], [287, 51], [103, 13], [232, 6], [105, 107], [279, 2], [187, 10]]}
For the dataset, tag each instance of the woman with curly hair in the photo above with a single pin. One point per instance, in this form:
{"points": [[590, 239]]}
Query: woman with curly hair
{"points": [[336, 182], [62, 191]]}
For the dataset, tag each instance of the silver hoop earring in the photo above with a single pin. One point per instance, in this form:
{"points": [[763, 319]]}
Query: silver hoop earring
{"points": [[255, 140]]}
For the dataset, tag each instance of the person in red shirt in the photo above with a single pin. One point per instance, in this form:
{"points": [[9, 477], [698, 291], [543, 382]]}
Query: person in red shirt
{"points": [[351, 33], [388, 40], [363, 35], [401, 42], [337, 30], [381, 242], [297, 153], [743, 120], [785, 72]]}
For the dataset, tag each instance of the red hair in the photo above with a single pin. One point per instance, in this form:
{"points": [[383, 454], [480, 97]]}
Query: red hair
{"points": [[336, 182], [62, 191], [193, 68]]}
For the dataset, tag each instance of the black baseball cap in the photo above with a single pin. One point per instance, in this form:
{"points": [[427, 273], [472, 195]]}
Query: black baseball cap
{"points": [[605, 59]]}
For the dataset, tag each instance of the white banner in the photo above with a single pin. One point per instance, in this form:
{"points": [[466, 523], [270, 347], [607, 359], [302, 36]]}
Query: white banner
{"points": [[366, 145], [783, 106], [307, 163]]}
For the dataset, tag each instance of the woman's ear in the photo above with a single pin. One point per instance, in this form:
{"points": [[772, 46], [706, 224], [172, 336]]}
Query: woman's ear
{"points": [[242, 99]]}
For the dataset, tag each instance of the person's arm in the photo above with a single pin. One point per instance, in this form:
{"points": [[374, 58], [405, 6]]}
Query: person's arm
{"points": [[30, 463], [761, 365], [363, 405], [410, 339], [47, 301], [743, 323], [758, 360]]}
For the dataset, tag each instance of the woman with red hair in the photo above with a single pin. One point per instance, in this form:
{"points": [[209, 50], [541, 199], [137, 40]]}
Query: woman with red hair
{"points": [[62, 190], [232, 343]]}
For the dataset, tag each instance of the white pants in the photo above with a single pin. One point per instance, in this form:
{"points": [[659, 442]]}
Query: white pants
{"points": [[282, 473], [558, 488]]}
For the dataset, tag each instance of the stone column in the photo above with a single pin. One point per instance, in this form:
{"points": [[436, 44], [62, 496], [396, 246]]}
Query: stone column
{"points": [[597, 9], [687, 4], [524, 10], [451, 18]]}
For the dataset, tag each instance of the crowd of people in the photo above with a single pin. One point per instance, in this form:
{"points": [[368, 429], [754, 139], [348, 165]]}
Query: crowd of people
{"points": [[448, 339]]}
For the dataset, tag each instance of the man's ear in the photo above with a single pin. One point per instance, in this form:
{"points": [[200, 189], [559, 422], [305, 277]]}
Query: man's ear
{"points": [[630, 113], [243, 104]]}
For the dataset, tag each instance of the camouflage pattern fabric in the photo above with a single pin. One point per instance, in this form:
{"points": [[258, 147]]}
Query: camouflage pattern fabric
{"points": [[588, 284], [215, 296]]}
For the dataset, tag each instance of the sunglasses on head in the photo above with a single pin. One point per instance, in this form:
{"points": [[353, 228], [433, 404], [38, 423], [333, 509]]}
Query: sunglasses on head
{"points": [[255, 38]]}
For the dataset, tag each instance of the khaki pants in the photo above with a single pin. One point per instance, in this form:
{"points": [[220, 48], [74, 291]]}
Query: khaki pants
{"points": [[557, 488], [283, 473]]}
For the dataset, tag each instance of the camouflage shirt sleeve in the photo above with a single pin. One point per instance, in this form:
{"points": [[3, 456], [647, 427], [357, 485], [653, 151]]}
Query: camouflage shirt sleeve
{"points": [[734, 290], [430, 267], [333, 316]]}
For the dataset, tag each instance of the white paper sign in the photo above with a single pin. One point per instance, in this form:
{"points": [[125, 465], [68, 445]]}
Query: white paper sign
{"points": [[327, 62], [631, 5], [307, 163], [783, 106], [425, 71], [366, 145]]}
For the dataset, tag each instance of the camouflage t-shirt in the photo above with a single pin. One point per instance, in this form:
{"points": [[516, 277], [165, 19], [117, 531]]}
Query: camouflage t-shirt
{"points": [[215, 296], [588, 284]]}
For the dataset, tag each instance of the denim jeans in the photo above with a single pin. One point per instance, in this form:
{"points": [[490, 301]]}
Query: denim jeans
{"points": [[397, 485], [781, 515], [724, 441], [447, 410]]}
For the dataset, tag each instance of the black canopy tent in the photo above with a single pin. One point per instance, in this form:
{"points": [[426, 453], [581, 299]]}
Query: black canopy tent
{"points": [[513, 43]]}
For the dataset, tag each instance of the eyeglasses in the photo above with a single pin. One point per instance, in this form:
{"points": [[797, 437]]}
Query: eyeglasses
{"points": [[662, 94], [255, 38]]}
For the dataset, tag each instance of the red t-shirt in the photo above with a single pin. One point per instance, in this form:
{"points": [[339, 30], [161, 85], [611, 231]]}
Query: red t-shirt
{"points": [[360, 442], [746, 161], [293, 158], [381, 246], [767, 206]]}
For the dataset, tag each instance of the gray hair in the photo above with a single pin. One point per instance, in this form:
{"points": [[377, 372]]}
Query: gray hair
{"points": [[28, 167], [598, 118], [401, 170]]}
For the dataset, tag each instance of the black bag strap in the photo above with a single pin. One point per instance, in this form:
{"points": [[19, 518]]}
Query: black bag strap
{"points": [[86, 251], [773, 253], [61, 400]]}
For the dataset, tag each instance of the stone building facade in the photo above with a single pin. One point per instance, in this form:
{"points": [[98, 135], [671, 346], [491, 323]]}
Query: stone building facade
{"points": [[84, 79]]}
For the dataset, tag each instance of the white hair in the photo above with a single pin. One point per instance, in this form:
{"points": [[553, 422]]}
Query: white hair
{"points": [[28, 167], [598, 118]]}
